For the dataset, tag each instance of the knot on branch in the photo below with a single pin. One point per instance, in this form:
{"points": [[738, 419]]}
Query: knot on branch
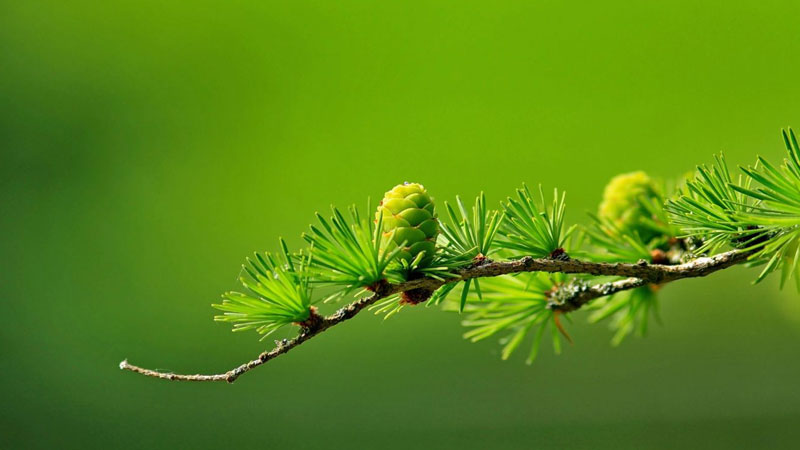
{"points": [[479, 260], [313, 322], [559, 254], [527, 262], [658, 256], [234, 374], [279, 344], [382, 288], [415, 296]]}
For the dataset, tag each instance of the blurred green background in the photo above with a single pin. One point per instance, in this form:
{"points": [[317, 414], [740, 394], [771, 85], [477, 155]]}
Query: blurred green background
{"points": [[147, 147]]}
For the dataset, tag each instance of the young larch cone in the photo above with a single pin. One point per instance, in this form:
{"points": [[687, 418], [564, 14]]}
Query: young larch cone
{"points": [[408, 212], [622, 202]]}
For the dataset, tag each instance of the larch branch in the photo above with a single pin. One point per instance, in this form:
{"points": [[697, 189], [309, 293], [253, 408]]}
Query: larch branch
{"points": [[639, 274]]}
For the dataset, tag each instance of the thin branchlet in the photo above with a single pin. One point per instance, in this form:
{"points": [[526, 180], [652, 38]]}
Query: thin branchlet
{"points": [[756, 213], [577, 296]]}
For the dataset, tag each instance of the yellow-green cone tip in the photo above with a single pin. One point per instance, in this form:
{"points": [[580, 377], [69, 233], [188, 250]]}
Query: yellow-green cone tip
{"points": [[408, 211], [622, 202]]}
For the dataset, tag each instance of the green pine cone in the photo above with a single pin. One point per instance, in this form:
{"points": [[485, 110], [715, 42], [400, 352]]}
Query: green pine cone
{"points": [[622, 206], [407, 211]]}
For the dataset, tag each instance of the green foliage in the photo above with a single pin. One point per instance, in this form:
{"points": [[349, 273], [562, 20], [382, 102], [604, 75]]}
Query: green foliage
{"points": [[613, 243], [443, 267], [759, 212], [531, 228], [278, 293], [468, 237], [471, 234], [714, 209], [630, 311], [350, 254], [388, 306], [778, 212], [514, 306]]}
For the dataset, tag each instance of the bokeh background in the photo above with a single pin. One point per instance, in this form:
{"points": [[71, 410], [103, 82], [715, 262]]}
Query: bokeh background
{"points": [[147, 147]]}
